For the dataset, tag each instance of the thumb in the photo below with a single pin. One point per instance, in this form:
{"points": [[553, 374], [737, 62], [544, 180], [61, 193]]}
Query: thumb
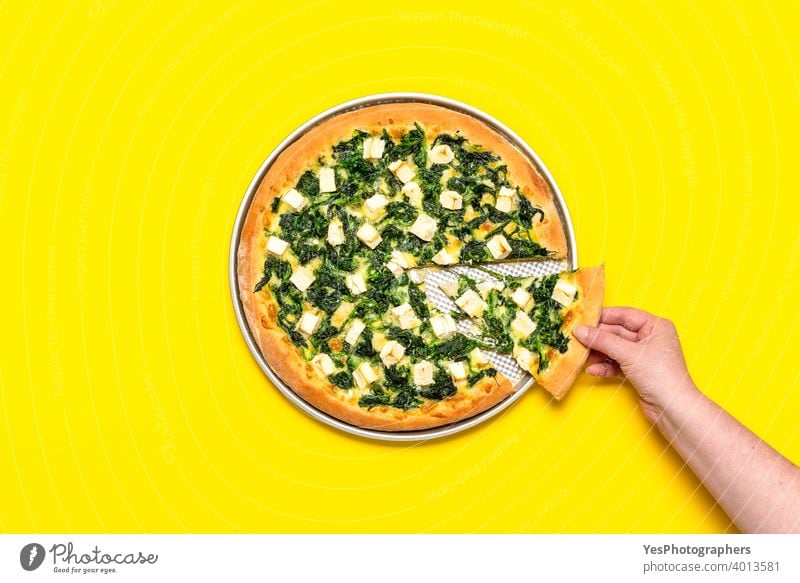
{"points": [[608, 343]]}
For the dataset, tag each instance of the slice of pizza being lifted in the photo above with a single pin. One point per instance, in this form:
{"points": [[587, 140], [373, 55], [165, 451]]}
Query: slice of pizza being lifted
{"points": [[532, 318]]}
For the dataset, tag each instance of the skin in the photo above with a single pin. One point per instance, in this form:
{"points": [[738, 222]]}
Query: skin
{"points": [[756, 486]]}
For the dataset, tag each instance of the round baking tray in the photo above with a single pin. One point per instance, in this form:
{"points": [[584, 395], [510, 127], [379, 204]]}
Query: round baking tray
{"points": [[525, 380]]}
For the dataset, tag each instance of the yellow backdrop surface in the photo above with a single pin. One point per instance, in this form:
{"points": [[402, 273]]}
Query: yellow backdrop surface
{"points": [[129, 132]]}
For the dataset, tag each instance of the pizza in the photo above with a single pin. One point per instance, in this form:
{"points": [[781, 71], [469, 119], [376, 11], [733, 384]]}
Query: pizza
{"points": [[332, 256]]}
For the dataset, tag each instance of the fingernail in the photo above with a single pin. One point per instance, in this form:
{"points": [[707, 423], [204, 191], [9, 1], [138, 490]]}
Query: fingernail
{"points": [[581, 332]]}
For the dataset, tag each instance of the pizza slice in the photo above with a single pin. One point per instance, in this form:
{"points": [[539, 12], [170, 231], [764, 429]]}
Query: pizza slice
{"points": [[532, 318]]}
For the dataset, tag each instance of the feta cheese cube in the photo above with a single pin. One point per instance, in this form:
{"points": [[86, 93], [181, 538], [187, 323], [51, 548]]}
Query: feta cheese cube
{"points": [[524, 358], [443, 257], [335, 233], [373, 148], [499, 247], [443, 325], [485, 286], [277, 246], [424, 227], [471, 303], [404, 260], [392, 352], [441, 154], [355, 283], [294, 199], [504, 204], [458, 371], [522, 326], [324, 364], [327, 180], [423, 373], [523, 299], [450, 288], [394, 268], [564, 292], [369, 235], [364, 375], [450, 199], [341, 313], [302, 278], [403, 170], [506, 192], [406, 316], [374, 206], [478, 359], [414, 193], [308, 323], [354, 331]]}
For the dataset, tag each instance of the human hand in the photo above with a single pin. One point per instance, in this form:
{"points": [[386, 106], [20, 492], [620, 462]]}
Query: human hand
{"points": [[643, 348]]}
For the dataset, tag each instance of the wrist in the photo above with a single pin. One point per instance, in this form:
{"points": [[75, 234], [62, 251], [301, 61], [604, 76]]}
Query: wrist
{"points": [[669, 398]]}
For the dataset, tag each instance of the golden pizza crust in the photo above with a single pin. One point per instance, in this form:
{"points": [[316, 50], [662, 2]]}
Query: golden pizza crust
{"points": [[261, 310], [564, 368]]}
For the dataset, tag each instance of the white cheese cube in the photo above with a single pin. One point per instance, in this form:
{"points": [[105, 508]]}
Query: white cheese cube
{"points": [[404, 260], [355, 283], [523, 299], [450, 199], [277, 246], [450, 288], [378, 341], [302, 278], [406, 316], [458, 371], [294, 199], [478, 359], [403, 170], [354, 331], [441, 154], [341, 313], [414, 193], [324, 364], [424, 227], [369, 235], [443, 325], [442, 257], [485, 286], [564, 292], [506, 192], [335, 233], [504, 204], [423, 373], [308, 323], [471, 303], [373, 148], [394, 268], [327, 180], [392, 352], [364, 375], [499, 247], [524, 358], [522, 326], [374, 206]]}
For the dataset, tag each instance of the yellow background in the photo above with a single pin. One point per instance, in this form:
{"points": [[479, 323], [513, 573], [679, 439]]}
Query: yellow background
{"points": [[129, 132]]}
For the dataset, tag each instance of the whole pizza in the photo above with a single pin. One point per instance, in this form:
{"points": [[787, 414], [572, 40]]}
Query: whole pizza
{"points": [[332, 259]]}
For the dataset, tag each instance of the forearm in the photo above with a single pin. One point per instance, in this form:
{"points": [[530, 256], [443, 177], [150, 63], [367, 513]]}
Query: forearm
{"points": [[755, 485]]}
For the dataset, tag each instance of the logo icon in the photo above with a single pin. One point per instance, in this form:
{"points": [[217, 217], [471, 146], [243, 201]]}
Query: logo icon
{"points": [[31, 556]]}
